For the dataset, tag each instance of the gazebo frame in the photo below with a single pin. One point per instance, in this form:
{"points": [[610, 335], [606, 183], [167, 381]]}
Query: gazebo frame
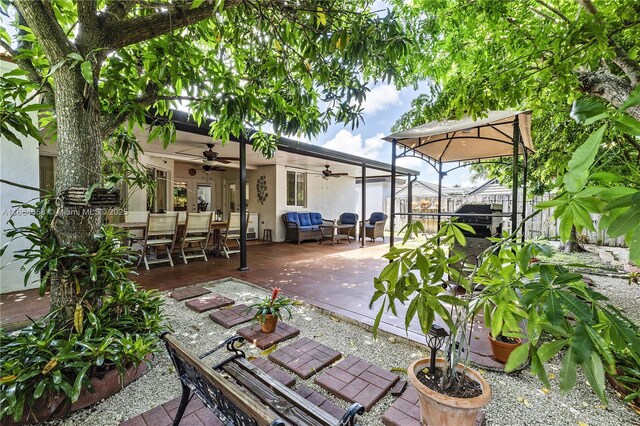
{"points": [[501, 134]]}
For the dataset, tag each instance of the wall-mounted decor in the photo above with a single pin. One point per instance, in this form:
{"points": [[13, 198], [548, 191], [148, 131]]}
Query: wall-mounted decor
{"points": [[261, 187]]}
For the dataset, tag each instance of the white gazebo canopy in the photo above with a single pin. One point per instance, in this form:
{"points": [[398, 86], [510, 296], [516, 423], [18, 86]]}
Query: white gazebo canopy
{"points": [[468, 139]]}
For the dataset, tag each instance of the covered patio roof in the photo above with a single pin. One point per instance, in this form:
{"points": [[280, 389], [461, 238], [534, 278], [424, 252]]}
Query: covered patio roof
{"points": [[291, 152]]}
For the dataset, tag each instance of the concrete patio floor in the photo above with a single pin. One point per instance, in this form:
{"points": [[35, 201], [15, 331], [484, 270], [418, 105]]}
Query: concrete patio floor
{"points": [[336, 278]]}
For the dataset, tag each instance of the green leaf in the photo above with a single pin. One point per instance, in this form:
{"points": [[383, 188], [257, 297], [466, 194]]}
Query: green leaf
{"points": [[568, 372], [581, 161], [518, 357], [633, 99], [37, 393], [85, 67], [77, 384], [634, 246], [575, 306], [587, 111], [628, 124], [550, 349], [196, 3], [76, 56], [626, 222], [594, 372], [553, 310]]}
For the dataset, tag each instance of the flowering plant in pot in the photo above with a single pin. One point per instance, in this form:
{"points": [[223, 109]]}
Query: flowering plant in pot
{"points": [[269, 309]]}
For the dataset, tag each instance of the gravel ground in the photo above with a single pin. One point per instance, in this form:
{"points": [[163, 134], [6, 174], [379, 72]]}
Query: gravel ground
{"points": [[518, 399]]}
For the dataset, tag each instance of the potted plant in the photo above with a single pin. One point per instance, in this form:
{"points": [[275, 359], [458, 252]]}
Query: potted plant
{"points": [[270, 309], [564, 317], [450, 393], [503, 277]]}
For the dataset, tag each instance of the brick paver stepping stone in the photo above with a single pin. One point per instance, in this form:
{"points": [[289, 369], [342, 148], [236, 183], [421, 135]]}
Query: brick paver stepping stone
{"points": [[206, 303], [318, 400], [196, 414], [272, 370], [262, 340], [232, 316], [188, 293], [357, 380], [305, 357], [405, 411]]}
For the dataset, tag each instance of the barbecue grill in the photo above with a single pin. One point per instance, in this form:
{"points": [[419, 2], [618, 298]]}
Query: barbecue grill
{"points": [[486, 221]]}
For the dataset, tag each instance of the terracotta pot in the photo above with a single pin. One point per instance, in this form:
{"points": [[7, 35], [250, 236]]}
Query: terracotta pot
{"points": [[501, 350], [269, 324], [442, 410]]}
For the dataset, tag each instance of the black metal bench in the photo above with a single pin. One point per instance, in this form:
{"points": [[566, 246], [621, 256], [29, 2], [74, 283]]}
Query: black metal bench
{"points": [[239, 393]]}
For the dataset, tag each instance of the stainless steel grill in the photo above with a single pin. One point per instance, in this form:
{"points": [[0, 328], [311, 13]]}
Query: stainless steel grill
{"points": [[486, 221]]}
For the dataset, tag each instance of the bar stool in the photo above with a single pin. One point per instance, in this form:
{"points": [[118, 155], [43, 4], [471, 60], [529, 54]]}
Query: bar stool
{"points": [[266, 235]]}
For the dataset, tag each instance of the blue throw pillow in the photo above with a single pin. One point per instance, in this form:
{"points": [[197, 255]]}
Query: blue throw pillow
{"points": [[304, 219], [376, 217], [316, 218], [292, 217], [349, 218]]}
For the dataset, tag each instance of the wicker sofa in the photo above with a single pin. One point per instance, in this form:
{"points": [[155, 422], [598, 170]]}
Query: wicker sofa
{"points": [[301, 226]]}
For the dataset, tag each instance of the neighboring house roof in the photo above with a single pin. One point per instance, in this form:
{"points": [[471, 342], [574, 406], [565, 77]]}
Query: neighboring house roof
{"points": [[184, 122], [427, 189], [491, 187]]}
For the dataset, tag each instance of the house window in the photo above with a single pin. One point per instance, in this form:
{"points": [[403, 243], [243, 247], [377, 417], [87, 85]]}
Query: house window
{"points": [[296, 189]]}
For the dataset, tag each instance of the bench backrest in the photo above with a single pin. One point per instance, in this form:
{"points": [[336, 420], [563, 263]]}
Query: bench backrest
{"points": [[218, 393]]}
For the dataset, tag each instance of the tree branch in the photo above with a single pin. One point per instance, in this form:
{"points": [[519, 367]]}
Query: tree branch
{"points": [[134, 30], [626, 64], [608, 86], [87, 15], [45, 27], [588, 6], [553, 9]]}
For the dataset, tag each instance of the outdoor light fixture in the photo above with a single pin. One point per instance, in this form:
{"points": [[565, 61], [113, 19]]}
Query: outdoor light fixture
{"points": [[435, 339]]}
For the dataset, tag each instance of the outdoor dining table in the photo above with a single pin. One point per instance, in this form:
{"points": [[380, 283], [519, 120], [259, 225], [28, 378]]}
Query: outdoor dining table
{"points": [[216, 227]]}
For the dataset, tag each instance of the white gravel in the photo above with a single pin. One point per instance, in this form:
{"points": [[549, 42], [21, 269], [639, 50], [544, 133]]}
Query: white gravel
{"points": [[518, 399]]}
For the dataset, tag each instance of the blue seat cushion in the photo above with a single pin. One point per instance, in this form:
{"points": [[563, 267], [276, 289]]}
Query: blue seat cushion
{"points": [[376, 217], [292, 217], [308, 228], [349, 218], [369, 226], [304, 219], [316, 218]]}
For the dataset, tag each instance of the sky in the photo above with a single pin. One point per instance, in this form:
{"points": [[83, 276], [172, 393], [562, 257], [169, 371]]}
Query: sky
{"points": [[384, 105]]}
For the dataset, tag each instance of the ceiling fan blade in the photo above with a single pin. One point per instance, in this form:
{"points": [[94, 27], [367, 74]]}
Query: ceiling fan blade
{"points": [[223, 161], [229, 158], [339, 174]]}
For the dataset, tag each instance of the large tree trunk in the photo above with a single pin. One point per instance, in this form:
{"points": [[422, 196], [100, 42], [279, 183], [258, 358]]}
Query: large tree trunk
{"points": [[79, 154]]}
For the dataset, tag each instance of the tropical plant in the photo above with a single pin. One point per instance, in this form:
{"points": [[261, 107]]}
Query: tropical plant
{"points": [[45, 359], [271, 305], [114, 324], [562, 313]]}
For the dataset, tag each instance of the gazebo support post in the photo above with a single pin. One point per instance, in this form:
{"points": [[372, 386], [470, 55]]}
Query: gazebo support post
{"points": [[440, 176], [243, 204], [392, 210], [409, 198], [363, 173], [514, 174]]}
